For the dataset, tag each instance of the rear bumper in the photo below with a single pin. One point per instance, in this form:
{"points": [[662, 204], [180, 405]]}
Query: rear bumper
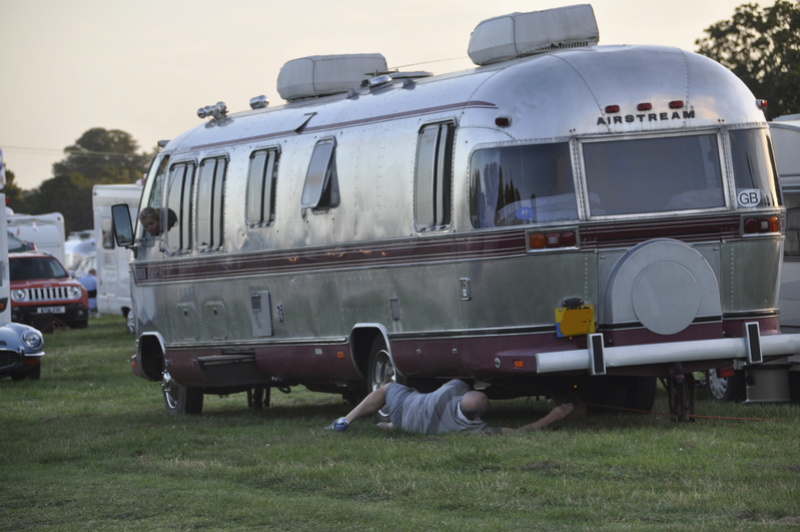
{"points": [[752, 348]]}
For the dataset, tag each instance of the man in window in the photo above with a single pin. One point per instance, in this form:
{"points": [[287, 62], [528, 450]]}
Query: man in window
{"points": [[151, 220]]}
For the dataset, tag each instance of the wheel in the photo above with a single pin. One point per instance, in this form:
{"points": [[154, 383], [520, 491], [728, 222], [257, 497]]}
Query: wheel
{"points": [[725, 388], [36, 373], [641, 393], [33, 374], [130, 322], [180, 399], [604, 395], [381, 371]]}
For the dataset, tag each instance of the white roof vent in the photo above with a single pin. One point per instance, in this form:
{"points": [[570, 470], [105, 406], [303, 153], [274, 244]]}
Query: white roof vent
{"points": [[320, 75], [520, 34]]}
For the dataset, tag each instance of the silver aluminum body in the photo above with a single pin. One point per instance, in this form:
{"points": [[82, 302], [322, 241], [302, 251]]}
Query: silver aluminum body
{"points": [[293, 301]]}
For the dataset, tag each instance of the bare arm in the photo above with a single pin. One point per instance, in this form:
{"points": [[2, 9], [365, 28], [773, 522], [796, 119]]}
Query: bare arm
{"points": [[556, 414]]}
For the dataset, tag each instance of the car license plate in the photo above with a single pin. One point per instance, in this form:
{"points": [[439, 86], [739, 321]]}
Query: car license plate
{"points": [[51, 310]]}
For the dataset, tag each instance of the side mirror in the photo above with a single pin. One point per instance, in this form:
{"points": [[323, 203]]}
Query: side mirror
{"points": [[123, 227]]}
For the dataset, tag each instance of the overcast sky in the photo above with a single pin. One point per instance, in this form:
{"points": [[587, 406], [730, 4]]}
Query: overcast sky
{"points": [[146, 66]]}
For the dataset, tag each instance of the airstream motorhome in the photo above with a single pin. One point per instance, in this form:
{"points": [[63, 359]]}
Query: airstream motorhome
{"points": [[563, 216]]}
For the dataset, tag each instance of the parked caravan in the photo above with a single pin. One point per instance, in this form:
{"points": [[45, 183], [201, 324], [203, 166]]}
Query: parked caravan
{"points": [[786, 137], [77, 248], [45, 231], [112, 261], [565, 217]]}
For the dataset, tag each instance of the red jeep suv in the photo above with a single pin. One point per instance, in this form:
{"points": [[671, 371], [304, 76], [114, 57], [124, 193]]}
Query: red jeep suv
{"points": [[43, 294]]}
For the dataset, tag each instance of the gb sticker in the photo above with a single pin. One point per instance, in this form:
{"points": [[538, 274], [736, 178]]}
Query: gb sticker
{"points": [[750, 197]]}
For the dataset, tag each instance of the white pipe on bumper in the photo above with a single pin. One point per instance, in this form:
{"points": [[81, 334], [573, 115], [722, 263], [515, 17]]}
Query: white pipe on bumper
{"points": [[646, 354]]}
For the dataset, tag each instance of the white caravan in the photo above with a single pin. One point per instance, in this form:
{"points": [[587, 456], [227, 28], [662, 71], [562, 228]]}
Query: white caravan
{"points": [[113, 276], [786, 139], [77, 248], [46, 231], [565, 216]]}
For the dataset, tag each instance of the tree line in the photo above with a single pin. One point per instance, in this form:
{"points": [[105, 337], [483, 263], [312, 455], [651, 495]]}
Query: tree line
{"points": [[760, 45], [98, 157]]}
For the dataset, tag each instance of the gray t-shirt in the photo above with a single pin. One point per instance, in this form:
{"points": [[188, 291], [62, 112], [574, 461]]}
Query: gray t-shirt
{"points": [[430, 413]]}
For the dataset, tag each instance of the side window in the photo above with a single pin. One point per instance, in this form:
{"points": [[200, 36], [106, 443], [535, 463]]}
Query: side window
{"points": [[178, 213], [154, 188], [753, 168], [432, 188], [522, 184], [261, 181], [321, 189], [107, 232], [210, 185]]}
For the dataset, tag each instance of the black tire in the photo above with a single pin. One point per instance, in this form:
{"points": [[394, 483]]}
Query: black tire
{"points": [[180, 399], [36, 373], [381, 372], [33, 374], [604, 395], [641, 394], [726, 388]]}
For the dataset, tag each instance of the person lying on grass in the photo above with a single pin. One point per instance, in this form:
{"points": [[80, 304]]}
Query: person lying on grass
{"points": [[453, 407]]}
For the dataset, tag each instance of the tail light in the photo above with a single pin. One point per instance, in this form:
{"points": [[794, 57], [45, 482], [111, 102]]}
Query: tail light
{"points": [[538, 240]]}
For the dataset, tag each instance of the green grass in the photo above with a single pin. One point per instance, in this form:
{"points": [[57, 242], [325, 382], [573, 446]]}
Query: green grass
{"points": [[89, 447]]}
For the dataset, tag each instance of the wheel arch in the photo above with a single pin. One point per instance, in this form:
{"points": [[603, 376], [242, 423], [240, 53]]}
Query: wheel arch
{"points": [[362, 336], [151, 355]]}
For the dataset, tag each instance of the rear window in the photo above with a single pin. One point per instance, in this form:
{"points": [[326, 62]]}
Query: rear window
{"points": [[638, 176], [28, 269]]}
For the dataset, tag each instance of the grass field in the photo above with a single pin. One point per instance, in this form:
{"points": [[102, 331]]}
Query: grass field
{"points": [[89, 447]]}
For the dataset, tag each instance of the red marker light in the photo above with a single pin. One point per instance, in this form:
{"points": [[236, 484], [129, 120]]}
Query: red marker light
{"points": [[676, 104], [646, 106], [612, 108], [726, 372], [761, 104]]}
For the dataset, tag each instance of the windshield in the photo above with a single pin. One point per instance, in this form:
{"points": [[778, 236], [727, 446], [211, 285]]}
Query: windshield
{"points": [[653, 175], [27, 269], [513, 185]]}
